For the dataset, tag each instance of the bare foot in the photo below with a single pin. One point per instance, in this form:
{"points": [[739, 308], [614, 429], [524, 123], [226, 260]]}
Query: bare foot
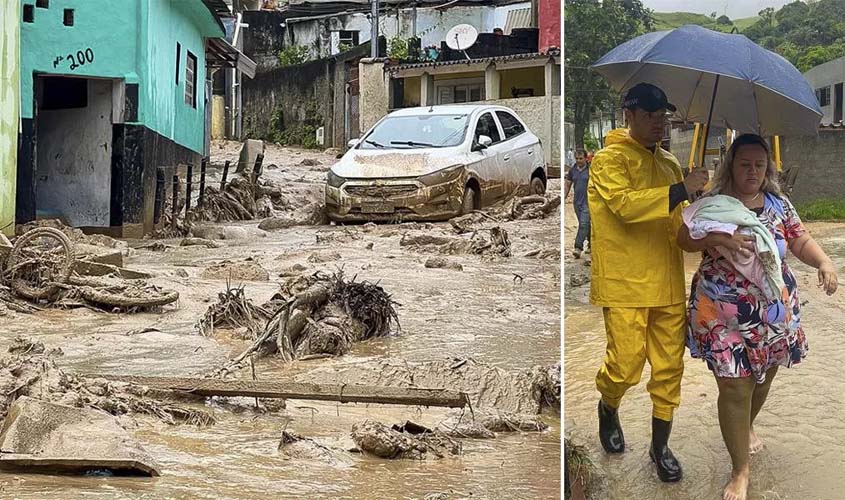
{"points": [[754, 443], [737, 488]]}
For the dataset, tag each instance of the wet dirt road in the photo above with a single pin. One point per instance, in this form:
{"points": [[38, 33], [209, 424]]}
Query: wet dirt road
{"points": [[481, 312], [802, 424]]}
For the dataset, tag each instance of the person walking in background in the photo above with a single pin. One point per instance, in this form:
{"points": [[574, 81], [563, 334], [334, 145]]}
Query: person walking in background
{"points": [[570, 158], [635, 196], [577, 177], [744, 311]]}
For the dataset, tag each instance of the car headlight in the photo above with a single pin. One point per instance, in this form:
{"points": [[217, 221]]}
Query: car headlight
{"points": [[443, 175], [334, 180]]}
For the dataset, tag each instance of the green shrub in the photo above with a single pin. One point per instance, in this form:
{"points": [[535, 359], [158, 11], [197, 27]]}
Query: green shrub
{"points": [[291, 56], [397, 48], [301, 134]]}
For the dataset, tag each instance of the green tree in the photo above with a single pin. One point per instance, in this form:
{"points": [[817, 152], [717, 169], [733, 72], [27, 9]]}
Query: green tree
{"points": [[592, 28], [724, 20]]}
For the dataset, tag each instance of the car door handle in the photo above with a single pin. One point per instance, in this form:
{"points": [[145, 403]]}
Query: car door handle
{"points": [[530, 152], [506, 158]]}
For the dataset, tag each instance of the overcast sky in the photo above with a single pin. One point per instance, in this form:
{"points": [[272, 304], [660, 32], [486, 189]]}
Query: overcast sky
{"points": [[735, 9]]}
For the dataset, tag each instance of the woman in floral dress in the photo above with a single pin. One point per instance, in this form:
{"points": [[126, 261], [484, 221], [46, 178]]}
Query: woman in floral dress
{"points": [[743, 335]]}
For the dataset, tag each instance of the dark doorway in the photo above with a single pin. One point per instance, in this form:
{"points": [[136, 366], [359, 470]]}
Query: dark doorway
{"points": [[837, 102], [73, 123]]}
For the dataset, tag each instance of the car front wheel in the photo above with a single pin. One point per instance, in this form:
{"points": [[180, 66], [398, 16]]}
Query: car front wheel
{"points": [[538, 186], [468, 203]]}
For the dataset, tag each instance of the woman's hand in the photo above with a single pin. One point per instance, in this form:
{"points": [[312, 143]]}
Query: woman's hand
{"points": [[740, 245], [827, 277]]}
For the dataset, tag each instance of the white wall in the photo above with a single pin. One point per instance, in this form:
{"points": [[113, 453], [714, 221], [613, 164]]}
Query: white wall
{"points": [[73, 174], [827, 75], [432, 25]]}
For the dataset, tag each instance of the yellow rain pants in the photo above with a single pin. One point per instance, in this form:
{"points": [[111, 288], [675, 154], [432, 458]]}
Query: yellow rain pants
{"points": [[637, 269], [635, 335]]}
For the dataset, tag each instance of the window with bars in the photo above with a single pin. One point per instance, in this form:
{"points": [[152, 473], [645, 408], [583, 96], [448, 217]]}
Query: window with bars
{"points": [[191, 80], [823, 95], [349, 38]]}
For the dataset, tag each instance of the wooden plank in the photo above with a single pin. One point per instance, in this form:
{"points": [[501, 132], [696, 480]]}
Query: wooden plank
{"points": [[292, 390]]}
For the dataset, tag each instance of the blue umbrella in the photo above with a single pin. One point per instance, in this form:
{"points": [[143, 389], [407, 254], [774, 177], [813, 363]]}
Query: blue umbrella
{"points": [[717, 78]]}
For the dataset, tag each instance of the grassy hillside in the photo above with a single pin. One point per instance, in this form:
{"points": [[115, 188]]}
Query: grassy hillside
{"points": [[670, 20], [745, 22]]}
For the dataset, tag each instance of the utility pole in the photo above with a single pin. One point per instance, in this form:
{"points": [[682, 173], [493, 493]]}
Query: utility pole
{"points": [[374, 31]]}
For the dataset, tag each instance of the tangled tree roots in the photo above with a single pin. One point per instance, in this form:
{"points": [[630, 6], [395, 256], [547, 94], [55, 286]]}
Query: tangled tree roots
{"points": [[240, 199], [234, 310], [324, 318]]}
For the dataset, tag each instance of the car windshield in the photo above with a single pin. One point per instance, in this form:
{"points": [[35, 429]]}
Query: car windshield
{"points": [[421, 131]]}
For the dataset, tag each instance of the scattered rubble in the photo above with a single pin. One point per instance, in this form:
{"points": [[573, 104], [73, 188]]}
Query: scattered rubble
{"points": [[246, 270], [443, 263], [409, 441], [190, 242], [488, 241], [488, 387], [322, 257], [485, 425], [30, 370]]}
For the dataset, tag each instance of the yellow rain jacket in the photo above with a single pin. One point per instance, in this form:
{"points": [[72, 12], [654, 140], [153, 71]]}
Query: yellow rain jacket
{"points": [[636, 258]]}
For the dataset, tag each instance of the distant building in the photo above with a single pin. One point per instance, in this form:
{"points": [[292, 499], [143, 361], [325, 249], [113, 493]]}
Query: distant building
{"points": [[110, 91], [827, 80]]}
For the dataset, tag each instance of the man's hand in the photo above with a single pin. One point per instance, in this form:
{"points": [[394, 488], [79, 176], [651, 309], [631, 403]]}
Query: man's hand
{"points": [[696, 180]]}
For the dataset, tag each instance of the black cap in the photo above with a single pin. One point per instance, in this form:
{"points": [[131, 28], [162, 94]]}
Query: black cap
{"points": [[646, 96]]}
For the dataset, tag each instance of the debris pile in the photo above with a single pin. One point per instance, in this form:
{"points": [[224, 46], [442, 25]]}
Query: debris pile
{"points": [[408, 441], [234, 310], [240, 199], [545, 381], [30, 370], [486, 424], [487, 386], [531, 207], [42, 268], [323, 317], [491, 241], [245, 270]]}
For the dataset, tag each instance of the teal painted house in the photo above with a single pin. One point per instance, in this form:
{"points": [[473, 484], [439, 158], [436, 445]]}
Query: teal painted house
{"points": [[111, 90]]}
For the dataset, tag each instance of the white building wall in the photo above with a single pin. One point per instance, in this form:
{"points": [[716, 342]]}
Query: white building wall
{"points": [[432, 26]]}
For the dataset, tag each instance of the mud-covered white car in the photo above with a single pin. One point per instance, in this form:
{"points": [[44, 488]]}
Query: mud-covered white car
{"points": [[434, 163]]}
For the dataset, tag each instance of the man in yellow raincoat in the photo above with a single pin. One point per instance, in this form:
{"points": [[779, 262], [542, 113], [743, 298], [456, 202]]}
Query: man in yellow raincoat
{"points": [[635, 196]]}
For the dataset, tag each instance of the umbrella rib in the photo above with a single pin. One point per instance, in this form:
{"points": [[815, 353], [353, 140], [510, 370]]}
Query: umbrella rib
{"points": [[692, 97]]}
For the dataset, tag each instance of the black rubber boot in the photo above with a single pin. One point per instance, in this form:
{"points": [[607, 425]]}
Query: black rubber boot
{"points": [[668, 468], [610, 432]]}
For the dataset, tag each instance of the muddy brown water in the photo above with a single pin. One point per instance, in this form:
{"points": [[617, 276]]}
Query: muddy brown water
{"points": [[802, 424], [482, 312]]}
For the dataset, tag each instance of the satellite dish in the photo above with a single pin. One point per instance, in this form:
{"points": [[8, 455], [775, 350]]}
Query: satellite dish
{"points": [[461, 37]]}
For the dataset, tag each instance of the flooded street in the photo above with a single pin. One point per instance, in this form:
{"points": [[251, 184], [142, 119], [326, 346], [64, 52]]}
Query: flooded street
{"points": [[801, 424], [500, 311]]}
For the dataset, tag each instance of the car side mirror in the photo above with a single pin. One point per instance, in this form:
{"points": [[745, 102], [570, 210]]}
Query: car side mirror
{"points": [[483, 142], [352, 143]]}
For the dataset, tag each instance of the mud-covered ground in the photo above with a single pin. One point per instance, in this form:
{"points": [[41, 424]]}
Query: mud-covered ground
{"points": [[800, 426], [502, 311]]}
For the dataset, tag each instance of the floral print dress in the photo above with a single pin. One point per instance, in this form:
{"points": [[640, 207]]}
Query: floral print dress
{"points": [[732, 325]]}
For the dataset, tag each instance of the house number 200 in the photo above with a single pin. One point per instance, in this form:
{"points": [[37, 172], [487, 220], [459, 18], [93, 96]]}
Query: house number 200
{"points": [[80, 58]]}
